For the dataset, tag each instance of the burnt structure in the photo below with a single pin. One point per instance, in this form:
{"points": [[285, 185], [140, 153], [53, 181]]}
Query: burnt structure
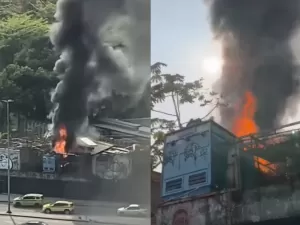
{"points": [[74, 176], [259, 183]]}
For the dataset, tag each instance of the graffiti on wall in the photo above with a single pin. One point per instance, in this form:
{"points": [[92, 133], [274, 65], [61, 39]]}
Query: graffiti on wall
{"points": [[184, 157], [195, 146], [198, 211], [114, 167], [13, 161]]}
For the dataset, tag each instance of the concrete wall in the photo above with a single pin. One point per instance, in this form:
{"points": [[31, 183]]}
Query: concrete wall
{"points": [[194, 212], [269, 203], [257, 205]]}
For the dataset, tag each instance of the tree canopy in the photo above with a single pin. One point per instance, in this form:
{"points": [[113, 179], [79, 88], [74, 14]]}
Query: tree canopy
{"points": [[175, 88], [27, 59]]}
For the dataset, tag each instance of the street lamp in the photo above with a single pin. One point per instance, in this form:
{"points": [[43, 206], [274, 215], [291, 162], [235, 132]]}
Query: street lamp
{"points": [[8, 152]]}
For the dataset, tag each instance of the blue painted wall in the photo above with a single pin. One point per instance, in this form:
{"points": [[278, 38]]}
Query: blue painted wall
{"points": [[49, 164], [187, 162], [197, 161]]}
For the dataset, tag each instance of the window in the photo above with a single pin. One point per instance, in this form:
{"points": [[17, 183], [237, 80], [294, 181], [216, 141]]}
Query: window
{"points": [[173, 185], [29, 198], [133, 208], [59, 204], [198, 178]]}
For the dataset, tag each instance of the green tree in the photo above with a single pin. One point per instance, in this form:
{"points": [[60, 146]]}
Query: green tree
{"points": [[174, 87], [26, 63], [38, 8]]}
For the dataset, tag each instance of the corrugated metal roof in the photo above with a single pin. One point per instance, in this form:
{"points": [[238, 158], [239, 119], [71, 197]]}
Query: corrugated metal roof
{"points": [[124, 127], [146, 122], [101, 147], [85, 142]]}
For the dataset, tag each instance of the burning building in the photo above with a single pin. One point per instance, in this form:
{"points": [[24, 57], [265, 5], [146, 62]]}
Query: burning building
{"points": [[61, 141], [102, 47], [243, 179], [260, 74]]}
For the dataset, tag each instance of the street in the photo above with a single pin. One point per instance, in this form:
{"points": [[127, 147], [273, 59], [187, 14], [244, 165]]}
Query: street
{"points": [[85, 213], [10, 220]]}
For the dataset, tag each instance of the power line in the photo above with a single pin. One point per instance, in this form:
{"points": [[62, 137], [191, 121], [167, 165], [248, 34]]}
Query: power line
{"points": [[210, 111], [168, 114]]}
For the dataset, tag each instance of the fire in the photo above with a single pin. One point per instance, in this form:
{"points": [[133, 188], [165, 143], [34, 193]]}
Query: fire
{"points": [[244, 124], [60, 144], [265, 166]]}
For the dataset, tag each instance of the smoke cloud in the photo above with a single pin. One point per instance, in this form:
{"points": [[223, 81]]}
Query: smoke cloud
{"points": [[257, 55], [104, 46]]}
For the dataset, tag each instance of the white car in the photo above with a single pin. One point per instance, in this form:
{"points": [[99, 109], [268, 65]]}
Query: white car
{"points": [[132, 210]]}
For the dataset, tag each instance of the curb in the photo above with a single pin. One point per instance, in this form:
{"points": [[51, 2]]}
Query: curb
{"points": [[80, 204], [61, 219], [41, 217]]}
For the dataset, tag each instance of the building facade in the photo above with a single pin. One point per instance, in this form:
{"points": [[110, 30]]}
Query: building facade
{"points": [[190, 159]]}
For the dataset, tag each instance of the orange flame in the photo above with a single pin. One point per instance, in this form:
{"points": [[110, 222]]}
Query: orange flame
{"points": [[244, 125], [60, 144]]}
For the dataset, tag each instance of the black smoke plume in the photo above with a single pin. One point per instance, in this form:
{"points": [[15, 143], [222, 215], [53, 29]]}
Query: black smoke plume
{"points": [[96, 39], [257, 55]]}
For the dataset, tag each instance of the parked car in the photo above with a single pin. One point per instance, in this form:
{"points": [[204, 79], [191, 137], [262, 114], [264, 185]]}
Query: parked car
{"points": [[65, 207], [29, 200], [132, 210]]}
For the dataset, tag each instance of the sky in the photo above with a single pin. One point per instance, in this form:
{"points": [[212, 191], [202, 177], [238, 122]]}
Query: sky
{"points": [[181, 38]]}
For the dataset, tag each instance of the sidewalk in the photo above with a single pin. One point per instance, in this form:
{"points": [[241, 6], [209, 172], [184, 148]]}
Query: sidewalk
{"points": [[90, 203], [104, 220]]}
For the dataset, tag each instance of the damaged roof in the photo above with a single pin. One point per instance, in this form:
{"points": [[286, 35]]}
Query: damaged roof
{"points": [[122, 128]]}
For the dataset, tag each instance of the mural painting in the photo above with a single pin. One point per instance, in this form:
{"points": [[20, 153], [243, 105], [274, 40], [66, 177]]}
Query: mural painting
{"points": [[13, 161], [187, 157], [114, 167]]}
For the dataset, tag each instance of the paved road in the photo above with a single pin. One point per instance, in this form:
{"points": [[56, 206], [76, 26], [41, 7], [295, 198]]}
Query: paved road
{"points": [[80, 210], [10, 220], [100, 214]]}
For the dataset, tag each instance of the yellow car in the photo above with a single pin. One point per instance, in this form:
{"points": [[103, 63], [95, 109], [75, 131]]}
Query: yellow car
{"points": [[59, 207]]}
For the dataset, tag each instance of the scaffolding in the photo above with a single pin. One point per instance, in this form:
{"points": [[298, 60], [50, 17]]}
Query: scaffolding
{"points": [[270, 157]]}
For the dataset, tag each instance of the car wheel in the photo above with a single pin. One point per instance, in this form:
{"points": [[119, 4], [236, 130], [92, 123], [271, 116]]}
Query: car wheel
{"points": [[67, 212], [18, 204], [48, 211], [37, 205]]}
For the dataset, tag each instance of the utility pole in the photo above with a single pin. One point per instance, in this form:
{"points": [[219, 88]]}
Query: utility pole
{"points": [[8, 153]]}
